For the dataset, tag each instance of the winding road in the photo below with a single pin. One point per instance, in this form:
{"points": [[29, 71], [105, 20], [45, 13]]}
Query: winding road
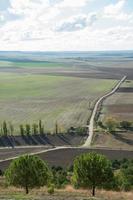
{"points": [[92, 119]]}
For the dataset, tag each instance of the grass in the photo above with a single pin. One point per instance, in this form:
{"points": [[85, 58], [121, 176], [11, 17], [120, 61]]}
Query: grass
{"points": [[64, 194], [30, 64], [26, 98]]}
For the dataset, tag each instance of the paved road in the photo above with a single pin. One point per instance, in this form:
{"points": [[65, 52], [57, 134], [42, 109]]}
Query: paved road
{"points": [[91, 124]]}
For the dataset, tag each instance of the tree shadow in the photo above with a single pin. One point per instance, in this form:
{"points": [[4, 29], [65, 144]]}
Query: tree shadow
{"points": [[123, 139]]}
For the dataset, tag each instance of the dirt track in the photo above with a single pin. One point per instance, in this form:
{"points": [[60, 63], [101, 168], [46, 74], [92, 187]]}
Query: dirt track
{"points": [[91, 123], [64, 156]]}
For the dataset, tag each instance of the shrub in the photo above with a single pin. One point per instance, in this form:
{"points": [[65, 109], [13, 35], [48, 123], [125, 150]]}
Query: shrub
{"points": [[51, 189]]}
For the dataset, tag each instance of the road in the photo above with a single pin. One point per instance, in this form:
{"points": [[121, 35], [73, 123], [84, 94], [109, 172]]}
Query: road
{"points": [[92, 119]]}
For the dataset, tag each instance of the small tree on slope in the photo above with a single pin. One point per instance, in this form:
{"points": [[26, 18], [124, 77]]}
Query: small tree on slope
{"points": [[28, 172], [91, 170]]}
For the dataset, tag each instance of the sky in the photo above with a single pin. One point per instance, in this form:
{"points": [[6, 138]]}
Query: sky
{"points": [[66, 25]]}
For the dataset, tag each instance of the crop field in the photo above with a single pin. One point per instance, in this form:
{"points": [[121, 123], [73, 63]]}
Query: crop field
{"points": [[26, 98], [61, 87], [120, 105]]}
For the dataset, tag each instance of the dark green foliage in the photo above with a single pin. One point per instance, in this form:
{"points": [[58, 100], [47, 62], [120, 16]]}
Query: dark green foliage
{"points": [[123, 179], [59, 177], [116, 164], [34, 129], [77, 130], [81, 130], [111, 124], [5, 129], [56, 128], [99, 123], [51, 189], [27, 129], [22, 131], [1, 173], [11, 129], [41, 127], [128, 172], [92, 170], [125, 124], [28, 172]]}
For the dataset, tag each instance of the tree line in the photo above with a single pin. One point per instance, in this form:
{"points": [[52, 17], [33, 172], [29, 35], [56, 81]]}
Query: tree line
{"points": [[111, 124], [8, 129], [89, 170]]}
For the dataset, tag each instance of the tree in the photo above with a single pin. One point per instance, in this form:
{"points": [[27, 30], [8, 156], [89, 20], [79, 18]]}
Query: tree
{"points": [[21, 129], [35, 129], [125, 124], [91, 170], [59, 176], [11, 128], [28, 172], [5, 129], [27, 129], [56, 128], [41, 128], [111, 124]]}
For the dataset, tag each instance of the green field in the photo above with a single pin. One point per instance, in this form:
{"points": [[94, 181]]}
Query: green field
{"points": [[30, 64], [26, 98]]}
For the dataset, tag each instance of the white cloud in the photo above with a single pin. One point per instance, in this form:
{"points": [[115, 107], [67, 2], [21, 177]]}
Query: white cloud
{"points": [[2, 18], [66, 25], [115, 11], [76, 23], [73, 3]]}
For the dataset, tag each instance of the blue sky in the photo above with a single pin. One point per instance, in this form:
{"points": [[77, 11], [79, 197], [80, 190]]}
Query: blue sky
{"points": [[58, 25]]}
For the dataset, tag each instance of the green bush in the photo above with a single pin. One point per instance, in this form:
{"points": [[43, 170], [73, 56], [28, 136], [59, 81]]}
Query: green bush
{"points": [[51, 189], [60, 178]]}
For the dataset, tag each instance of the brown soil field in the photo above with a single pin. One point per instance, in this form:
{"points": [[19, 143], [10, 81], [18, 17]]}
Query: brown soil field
{"points": [[119, 105], [64, 157], [123, 140], [120, 108], [6, 153], [45, 140], [82, 71], [125, 90]]}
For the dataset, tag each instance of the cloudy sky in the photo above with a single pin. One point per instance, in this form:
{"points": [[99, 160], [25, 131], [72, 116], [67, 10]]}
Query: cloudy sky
{"points": [[56, 25]]}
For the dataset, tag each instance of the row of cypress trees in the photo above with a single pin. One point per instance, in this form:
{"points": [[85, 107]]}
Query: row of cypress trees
{"points": [[24, 129]]}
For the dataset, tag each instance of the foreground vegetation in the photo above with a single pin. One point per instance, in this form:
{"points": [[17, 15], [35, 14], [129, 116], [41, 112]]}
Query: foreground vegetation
{"points": [[68, 193], [89, 171]]}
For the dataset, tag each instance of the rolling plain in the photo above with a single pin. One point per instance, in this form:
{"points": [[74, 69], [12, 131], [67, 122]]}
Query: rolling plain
{"points": [[63, 88]]}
